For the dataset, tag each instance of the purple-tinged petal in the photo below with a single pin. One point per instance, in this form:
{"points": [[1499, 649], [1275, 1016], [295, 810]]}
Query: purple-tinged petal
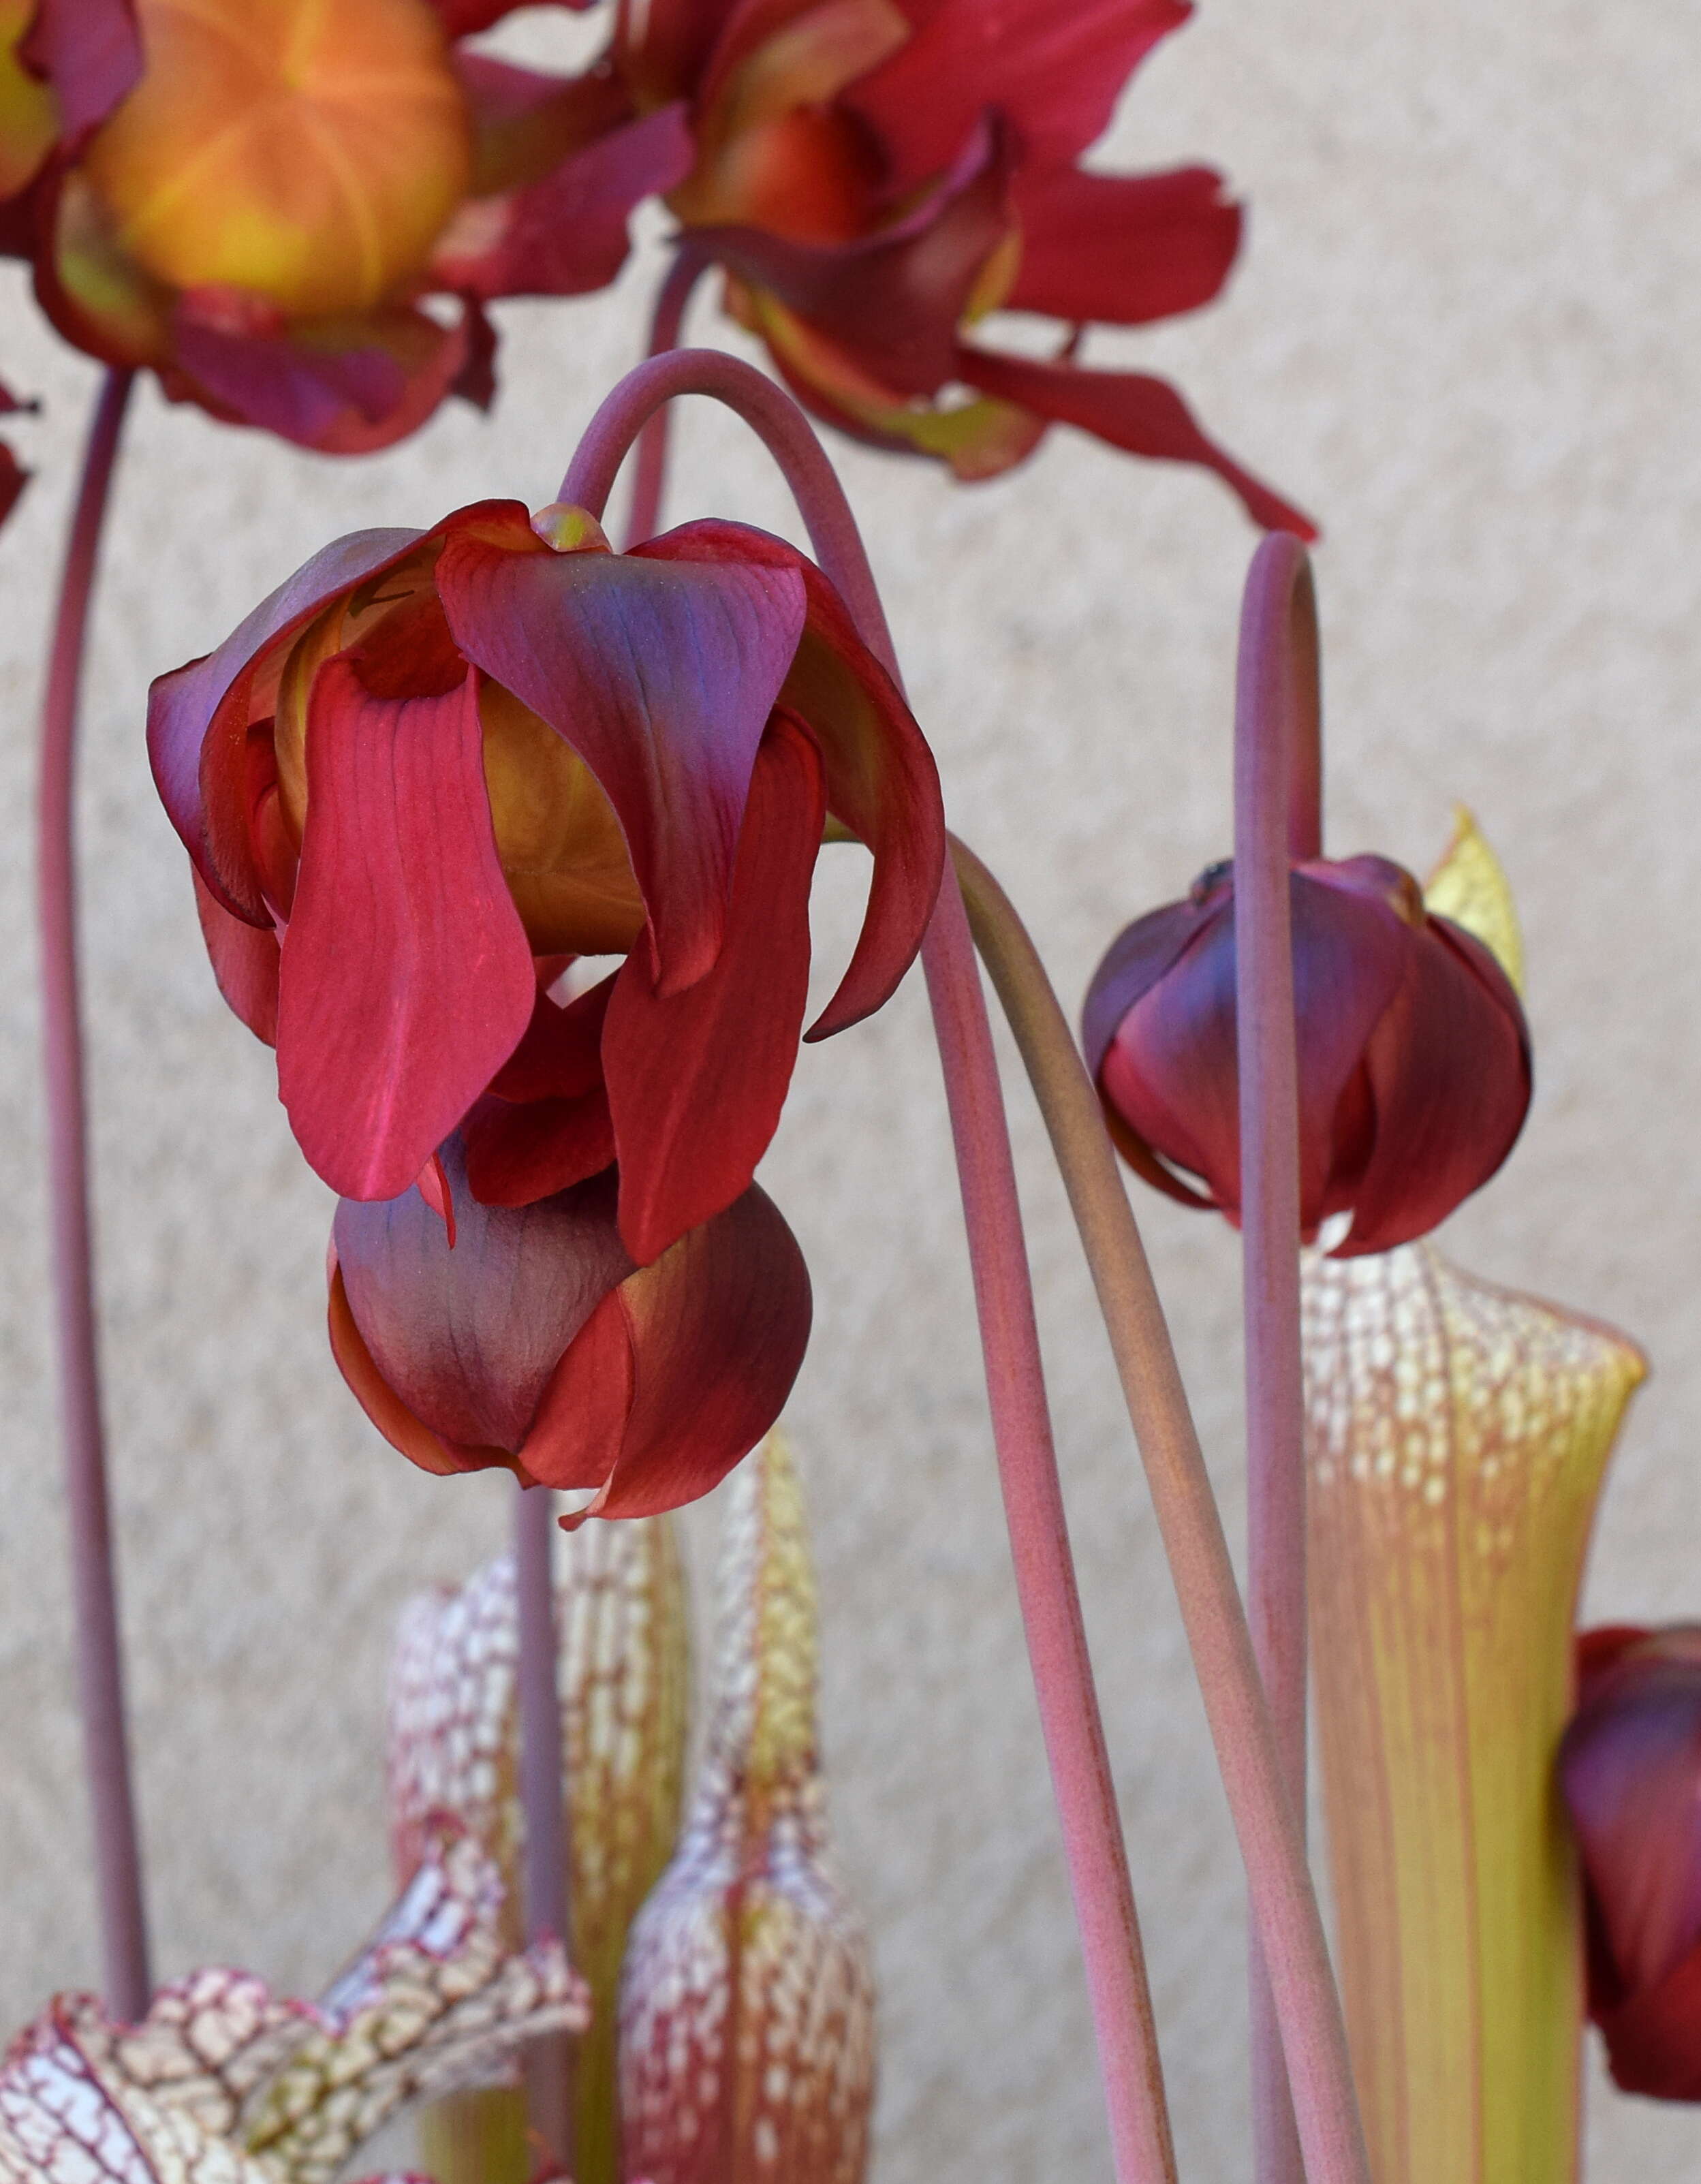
{"points": [[1131, 410], [893, 299], [406, 977], [1134, 963], [718, 1326], [1123, 249], [1055, 71], [1448, 1066], [469, 1338], [518, 1151], [182, 705], [566, 234], [881, 780], [661, 678], [696, 1080], [385, 1408], [90, 51]]}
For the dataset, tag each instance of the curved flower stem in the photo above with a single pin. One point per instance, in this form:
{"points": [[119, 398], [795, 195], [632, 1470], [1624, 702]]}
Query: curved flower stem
{"points": [[1277, 783], [543, 1801], [649, 481], [1284, 1902], [1121, 2001], [100, 1662]]}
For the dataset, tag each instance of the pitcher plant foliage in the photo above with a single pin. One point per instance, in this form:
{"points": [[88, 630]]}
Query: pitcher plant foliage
{"points": [[623, 1675], [257, 199], [747, 2005], [1630, 1771], [1458, 1433], [224, 2080]]}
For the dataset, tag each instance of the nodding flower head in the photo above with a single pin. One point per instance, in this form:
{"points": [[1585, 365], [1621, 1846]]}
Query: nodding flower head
{"points": [[251, 196], [1413, 1055], [433, 768]]}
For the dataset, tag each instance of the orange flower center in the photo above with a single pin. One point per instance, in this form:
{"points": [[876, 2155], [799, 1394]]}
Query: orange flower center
{"points": [[306, 151]]}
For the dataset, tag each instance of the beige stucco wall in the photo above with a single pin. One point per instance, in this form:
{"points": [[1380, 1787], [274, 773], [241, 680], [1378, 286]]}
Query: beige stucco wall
{"points": [[1465, 333]]}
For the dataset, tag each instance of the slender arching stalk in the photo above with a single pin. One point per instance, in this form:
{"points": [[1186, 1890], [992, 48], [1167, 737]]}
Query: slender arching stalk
{"points": [[1277, 784], [543, 1800], [100, 1661], [649, 479], [1284, 1903], [1121, 2001]]}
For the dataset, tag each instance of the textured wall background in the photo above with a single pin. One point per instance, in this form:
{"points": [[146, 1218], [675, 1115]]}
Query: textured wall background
{"points": [[1465, 334]]}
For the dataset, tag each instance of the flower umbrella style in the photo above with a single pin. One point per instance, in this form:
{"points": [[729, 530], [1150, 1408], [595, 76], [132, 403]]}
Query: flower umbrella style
{"points": [[432, 767], [1413, 1054], [1630, 1771], [255, 199], [876, 176], [223, 2082]]}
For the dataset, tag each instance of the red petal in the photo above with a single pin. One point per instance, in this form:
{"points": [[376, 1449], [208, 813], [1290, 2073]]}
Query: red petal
{"points": [[881, 780], [1653, 2040], [696, 1081], [668, 57], [894, 299], [1449, 1073], [576, 1436], [343, 387], [663, 680], [469, 1339], [1134, 963], [566, 234], [1131, 410], [378, 1399], [520, 1151], [181, 707], [14, 477], [90, 51], [1055, 71], [719, 1325], [1124, 249], [561, 1056], [245, 960], [406, 976]]}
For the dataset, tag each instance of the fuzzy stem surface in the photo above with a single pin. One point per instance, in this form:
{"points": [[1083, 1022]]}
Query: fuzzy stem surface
{"points": [[543, 1800], [118, 1871], [1124, 2019], [650, 478], [1277, 770], [1284, 1902]]}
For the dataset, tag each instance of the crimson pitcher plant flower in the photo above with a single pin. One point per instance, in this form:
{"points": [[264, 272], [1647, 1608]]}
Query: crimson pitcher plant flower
{"points": [[253, 197], [432, 767], [1414, 1070], [876, 176], [1630, 1771]]}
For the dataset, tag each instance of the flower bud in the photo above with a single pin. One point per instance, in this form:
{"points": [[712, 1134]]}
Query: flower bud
{"points": [[525, 1337], [1630, 1771], [1413, 1056]]}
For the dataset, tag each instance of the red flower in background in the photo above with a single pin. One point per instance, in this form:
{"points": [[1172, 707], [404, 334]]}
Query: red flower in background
{"points": [[526, 1338], [877, 175], [14, 477], [1630, 1771], [1413, 1055], [254, 198], [433, 766]]}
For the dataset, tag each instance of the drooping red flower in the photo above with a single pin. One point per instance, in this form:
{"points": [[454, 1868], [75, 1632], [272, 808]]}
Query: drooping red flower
{"points": [[253, 197], [432, 766], [1413, 1056], [1630, 1771], [526, 1337], [876, 176]]}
